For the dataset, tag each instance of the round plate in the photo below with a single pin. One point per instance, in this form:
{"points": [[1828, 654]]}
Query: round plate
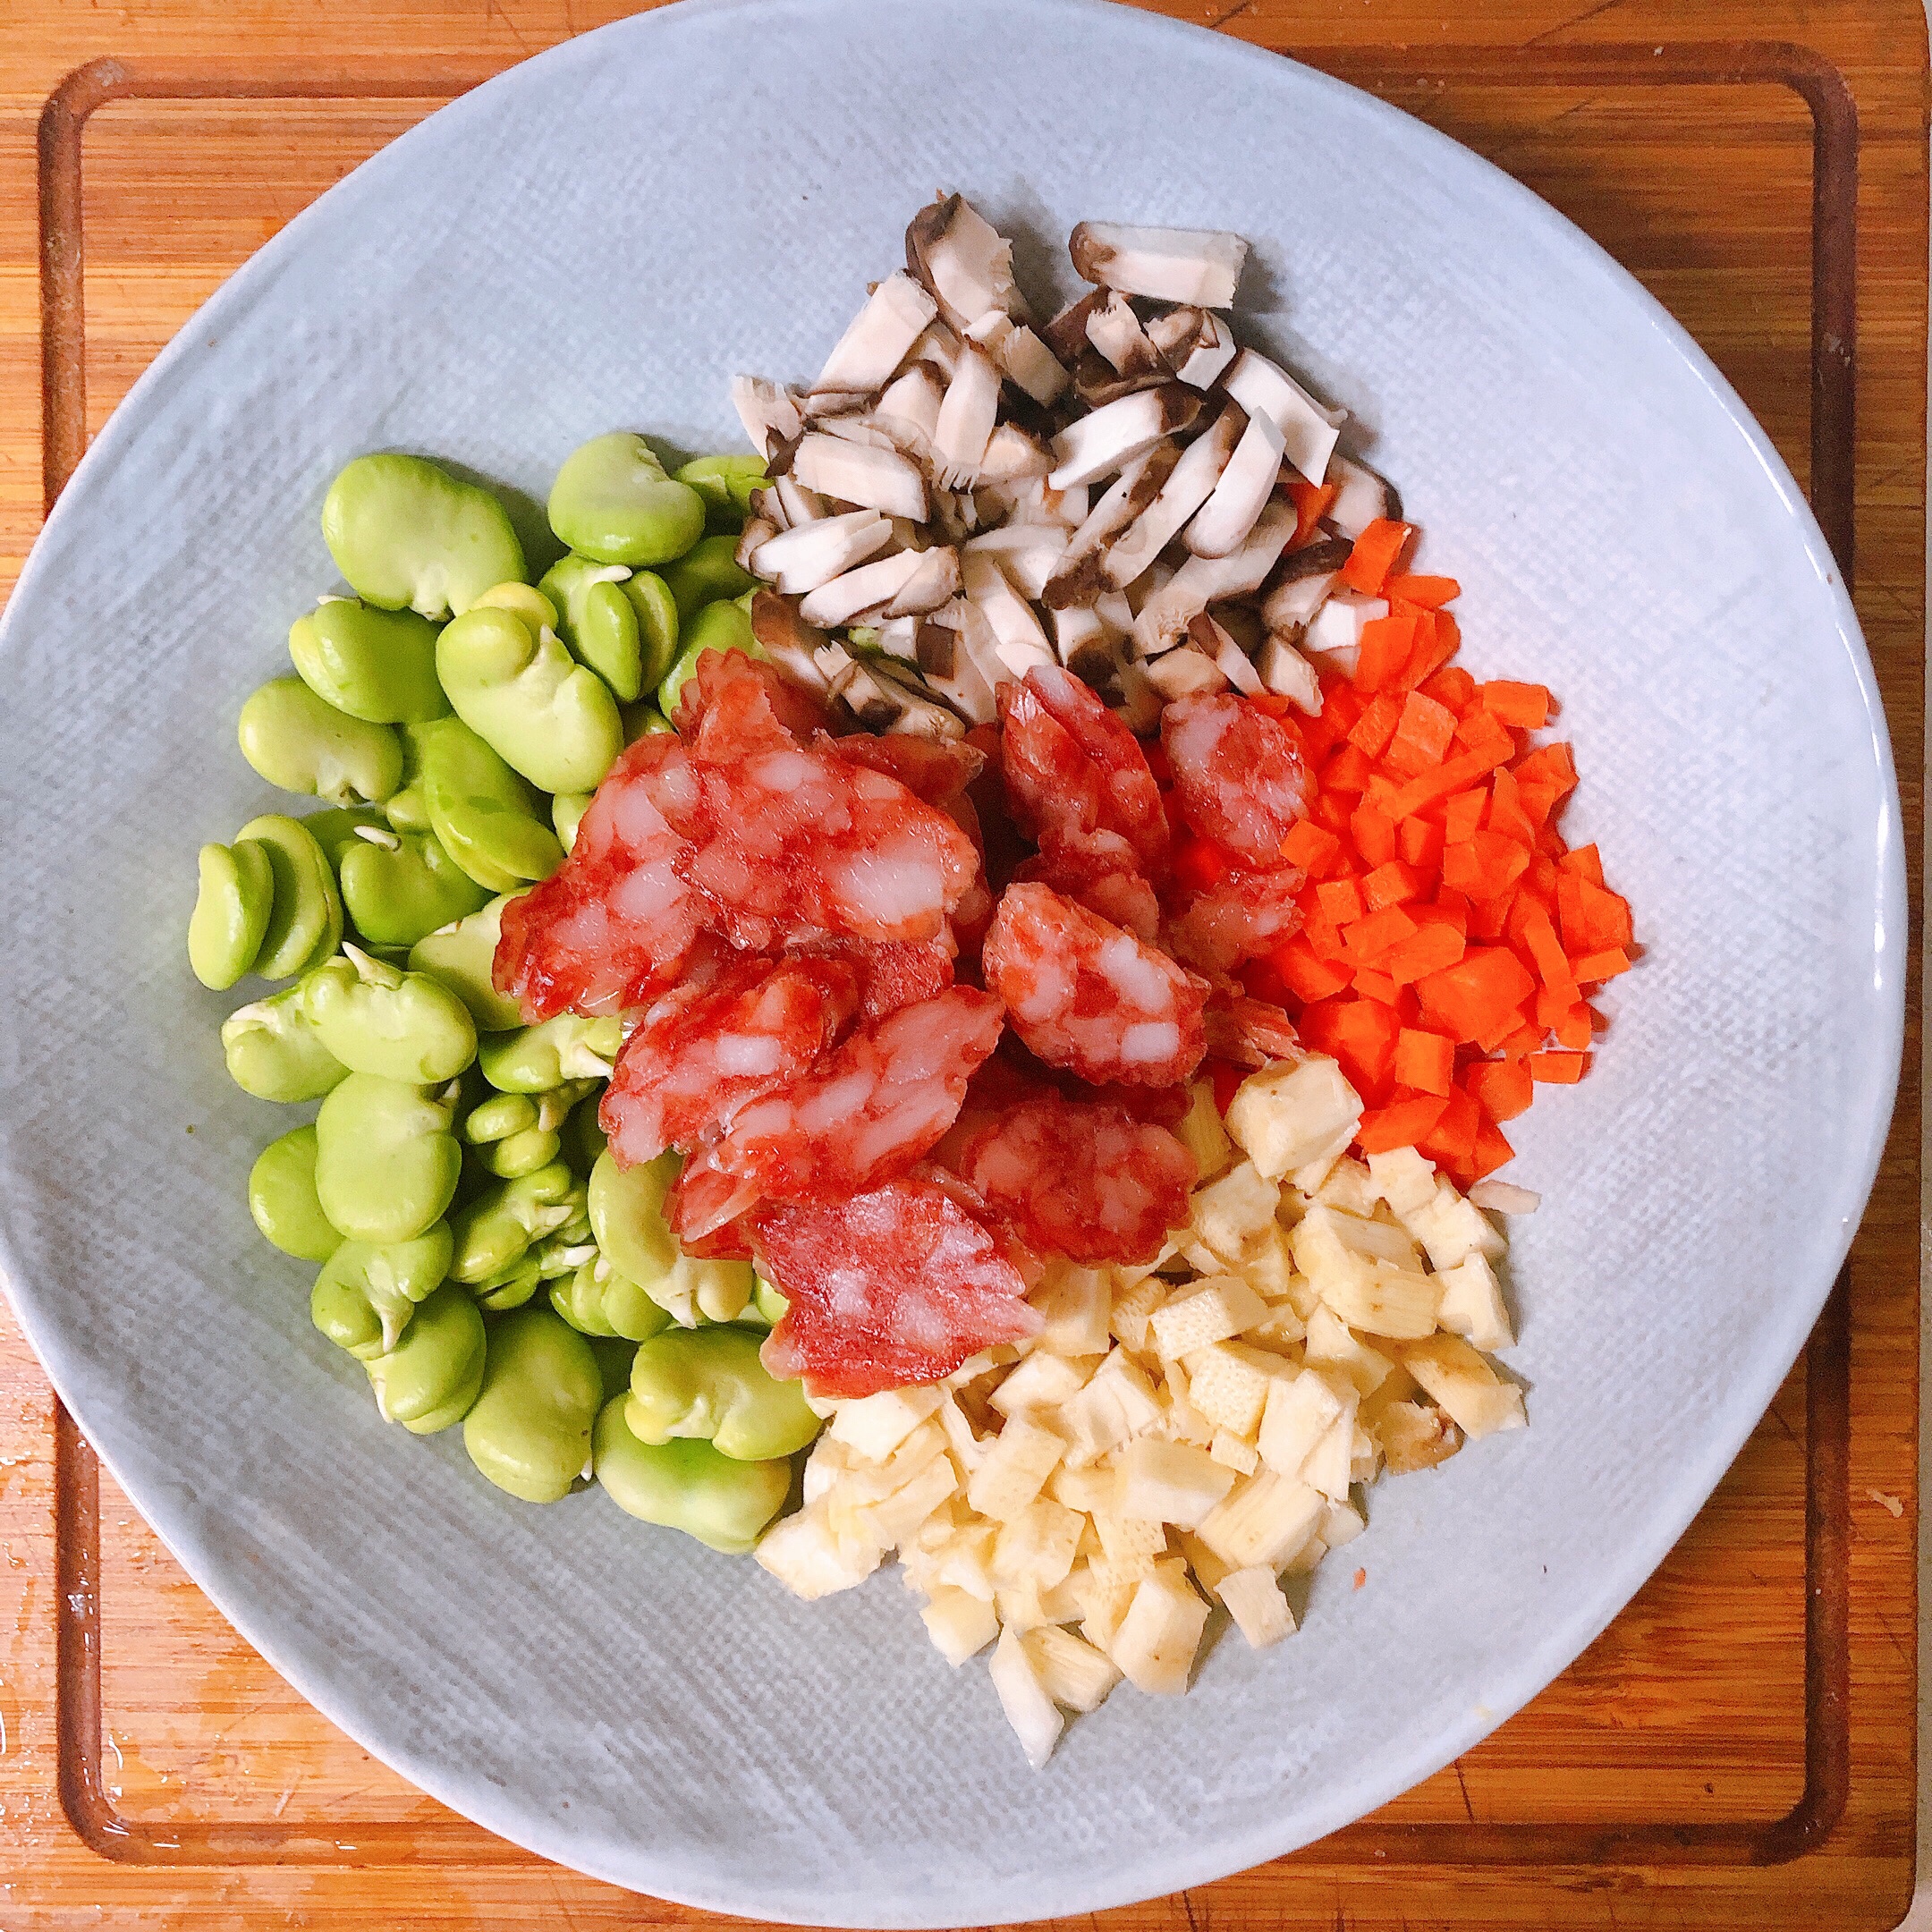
{"points": [[602, 238]]}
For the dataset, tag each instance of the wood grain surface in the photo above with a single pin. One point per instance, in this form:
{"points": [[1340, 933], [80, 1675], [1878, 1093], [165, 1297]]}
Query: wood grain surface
{"points": [[1655, 1783]]}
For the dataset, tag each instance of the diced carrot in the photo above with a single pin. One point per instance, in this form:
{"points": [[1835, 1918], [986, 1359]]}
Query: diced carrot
{"points": [[1451, 686], [1372, 731], [1552, 764], [1550, 1010], [1272, 702], [1593, 920], [1261, 979], [1431, 592], [1524, 706], [1484, 989], [1227, 1077], [1331, 808], [1342, 705], [1491, 1151], [1436, 641], [1559, 1069], [1342, 900], [1500, 1088], [1526, 1039], [1386, 645], [1419, 843], [1378, 985], [1309, 846], [1462, 815], [1420, 737], [1573, 1030], [1347, 771], [1537, 801], [1452, 1137], [1322, 933], [1483, 731], [1594, 968], [1452, 776], [1489, 919], [1392, 884], [1585, 860], [1454, 907], [1374, 555], [1430, 949], [1379, 933], [1404, 1124], [1307, 977], [1485, 865], [1312, 500], [1199, 863], [1506, 814], [1374, 833], [1539, 936], [1360, 1035], [1425, 1061]]}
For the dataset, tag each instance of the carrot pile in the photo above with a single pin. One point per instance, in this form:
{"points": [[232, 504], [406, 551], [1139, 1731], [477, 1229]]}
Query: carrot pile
{"points": [[1451, 939]]}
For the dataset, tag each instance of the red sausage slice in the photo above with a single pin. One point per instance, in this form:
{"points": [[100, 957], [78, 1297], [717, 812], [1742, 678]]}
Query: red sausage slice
{"points": [[1240, 774]]}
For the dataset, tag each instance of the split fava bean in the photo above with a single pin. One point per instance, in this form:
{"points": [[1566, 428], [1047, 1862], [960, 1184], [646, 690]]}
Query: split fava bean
{"points": [[299, 743], [499, 1118], [726, 484], [235, 897], [529, 1430], [509, 1287], [401, 890], [534, 1059], [407, 808], [432, 1376], [567, 810], [463, 960], [649, 596], [367, 1295], [597, 1300], [598, 621], [407, 534], [484, 813], [626, 1206], [338, 829], [707, 574], [520, 1154], [685, 1484], [529, 700], [378, 665], [710, 1383], [305, 919], [403, 1026], [495, 1230], [387, 1163], [273, 1051], [716, 627], [282, 1201], [613, 502]]}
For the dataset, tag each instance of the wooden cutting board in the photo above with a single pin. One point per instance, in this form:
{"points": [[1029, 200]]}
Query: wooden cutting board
{"points": [[1737, 1749]]}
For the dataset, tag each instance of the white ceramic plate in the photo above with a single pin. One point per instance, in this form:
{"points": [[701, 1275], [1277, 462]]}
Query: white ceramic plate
{"points": [[602, 238]]}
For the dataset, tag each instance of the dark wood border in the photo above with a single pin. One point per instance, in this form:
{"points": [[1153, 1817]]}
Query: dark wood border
{"points": [[1827, 1504]]}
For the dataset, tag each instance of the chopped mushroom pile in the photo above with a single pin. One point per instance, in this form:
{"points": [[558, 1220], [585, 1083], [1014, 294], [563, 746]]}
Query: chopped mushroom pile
{"points": [[1124, 490]]}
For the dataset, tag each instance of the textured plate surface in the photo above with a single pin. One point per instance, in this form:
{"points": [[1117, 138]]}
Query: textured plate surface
{"points": [[600, 238]]}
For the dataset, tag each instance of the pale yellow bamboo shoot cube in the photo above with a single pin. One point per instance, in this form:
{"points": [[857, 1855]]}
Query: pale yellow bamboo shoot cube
{"points": [[1034, 1715], [1042, 1381], [1465, 1385], [1331, 1344], [1156, 1644], [1077, 1303], [1213, 1310], [1415, 1435], [1169, 1482], [874, 1425], [1472, 1304], [1404, 1179], [1255, 1601], [1389, 1301], [805, 1556], [960, 1626], [1289, 1115], [1015, 1469], [1229, 1213], [1298, 1412], [1073, 1671], [1037, 1545], [1264, 1519], [1234, 1452]]}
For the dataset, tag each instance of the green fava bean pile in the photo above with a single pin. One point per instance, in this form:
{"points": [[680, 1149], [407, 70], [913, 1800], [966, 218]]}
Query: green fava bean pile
{"points": [[407, 534], [597, 1300], [282, 1198], [305, 916], [483, 812], [598, 621], [404, 1026], [461, 960], [366, 1295], [707, 573], [378, 665], [686, 1484], [530, 1428], [727, 485], [516, 686], [273, 1051], [431, 1376], [613, 502], [386, 1162], [535, 1059], [494, 1231], [231, 915], [299, 742], [709, 1383], [398, 887], [720, 627], [627, 1218]]}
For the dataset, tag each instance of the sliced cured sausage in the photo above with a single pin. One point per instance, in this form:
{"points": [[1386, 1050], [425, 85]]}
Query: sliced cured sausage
{"points": [[1087, 995], [733, 703], [1250, 1032], [1240, 774], [1124, 899], [1239, 917]]}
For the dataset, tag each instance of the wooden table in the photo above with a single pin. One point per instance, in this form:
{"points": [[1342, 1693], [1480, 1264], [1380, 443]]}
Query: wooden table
{"points": [[1738, 1748]]}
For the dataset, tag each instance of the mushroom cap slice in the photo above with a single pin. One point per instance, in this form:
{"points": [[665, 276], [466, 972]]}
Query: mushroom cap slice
{"points": [[872, 587], [1243, 491], [1098, 444], [964, 261], [1184, 673], [1195, 343], [798, 559], [1308, 431], [874, 478], [1019, 642], [1360, 497], [1115, 331], [1230, 659], [1201, 266], [1190, 485], [1286, 673], [872, 348], [966, 420], [770, 416], [1201, 581]]}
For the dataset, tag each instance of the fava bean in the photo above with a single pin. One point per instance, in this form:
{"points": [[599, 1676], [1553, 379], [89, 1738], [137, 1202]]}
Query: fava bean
{"points": [[398, 893], [498, 1117], [534, 606], [305, 920], [613, 502], [495, 1230], [626, 1206], [726, 484], [367, 1295], [386, 1162], [529, 700], [230, 919], [405, 533], [566, 814], [686, 1484], [613, 1354], [644, 721], [463, 959], [274, 1053], [534, 1059], [710, 1383], [716, 627], [530, 1428], [584, 1138], [707, 574], [771, 1305], [521, 1154], [483, 812], [404, 1026], [554, 1104], [649, 596], [597, 1300], [598, 621], [432, 1376], [338, 829], [298, 742], [283, 1199], [509, 1287], [407, 808], [375, 665]]}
